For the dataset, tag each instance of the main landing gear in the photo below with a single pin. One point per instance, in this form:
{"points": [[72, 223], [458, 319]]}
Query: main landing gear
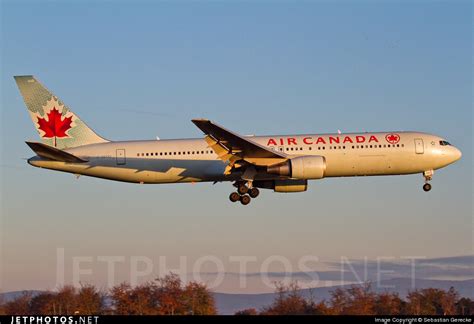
{"points": [[244, 193], [428, 177]]}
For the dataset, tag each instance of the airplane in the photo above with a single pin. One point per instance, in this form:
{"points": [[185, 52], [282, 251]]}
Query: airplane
{"points": [[282, 163]]}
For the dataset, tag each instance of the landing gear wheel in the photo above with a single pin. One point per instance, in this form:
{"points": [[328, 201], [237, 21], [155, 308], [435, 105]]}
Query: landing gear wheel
{"points": [[426, 187], [245, 200], [242, 189], [254, 192], [234, 197]]}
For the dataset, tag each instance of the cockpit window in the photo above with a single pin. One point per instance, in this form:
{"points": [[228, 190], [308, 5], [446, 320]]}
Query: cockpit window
{"points": [[443, 143]]}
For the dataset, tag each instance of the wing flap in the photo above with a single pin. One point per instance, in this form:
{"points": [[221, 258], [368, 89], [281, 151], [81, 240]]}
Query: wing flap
{"points": [[223, 152]]}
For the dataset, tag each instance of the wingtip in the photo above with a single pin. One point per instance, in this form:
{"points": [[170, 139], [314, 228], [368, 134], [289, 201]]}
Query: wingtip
{"points": [[22, 76], [200, 120]]}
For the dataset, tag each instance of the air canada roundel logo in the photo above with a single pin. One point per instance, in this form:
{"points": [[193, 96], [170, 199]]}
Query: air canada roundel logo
{"points": [[392, 138]]}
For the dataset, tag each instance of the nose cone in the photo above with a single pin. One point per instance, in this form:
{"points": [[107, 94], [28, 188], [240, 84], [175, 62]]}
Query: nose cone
{"points": [[456, 154]]}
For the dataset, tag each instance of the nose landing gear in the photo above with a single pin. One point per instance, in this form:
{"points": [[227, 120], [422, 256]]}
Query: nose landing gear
{"points": [[428, 177], [245, 193]]}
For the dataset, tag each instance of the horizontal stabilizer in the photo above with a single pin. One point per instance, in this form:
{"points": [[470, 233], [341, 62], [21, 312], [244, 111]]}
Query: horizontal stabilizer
{"points": [[52, 153]]}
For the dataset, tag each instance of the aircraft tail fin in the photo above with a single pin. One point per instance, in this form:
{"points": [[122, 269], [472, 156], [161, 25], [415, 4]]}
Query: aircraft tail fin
{"points": [[56, 124], [52, 153]]}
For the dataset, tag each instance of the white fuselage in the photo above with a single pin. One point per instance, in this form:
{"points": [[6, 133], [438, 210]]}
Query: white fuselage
{"points": [[192, 160]]}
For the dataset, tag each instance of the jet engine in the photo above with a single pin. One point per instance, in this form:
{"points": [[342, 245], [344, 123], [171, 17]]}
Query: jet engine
{"points": [[301, 167]]}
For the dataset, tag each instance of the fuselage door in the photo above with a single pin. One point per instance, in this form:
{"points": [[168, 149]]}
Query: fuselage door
{"points": [[121, 159], [419, 149]]}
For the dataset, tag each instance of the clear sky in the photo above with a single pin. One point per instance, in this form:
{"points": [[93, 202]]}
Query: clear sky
{"points": [[137, 70]]}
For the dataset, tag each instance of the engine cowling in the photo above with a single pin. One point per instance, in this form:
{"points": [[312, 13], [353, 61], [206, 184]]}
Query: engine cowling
{"points": [[300, 167], [289, 185]]}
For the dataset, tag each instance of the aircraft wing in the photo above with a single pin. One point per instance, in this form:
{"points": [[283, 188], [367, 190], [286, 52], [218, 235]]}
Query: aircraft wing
{"points": [[232, 147]]}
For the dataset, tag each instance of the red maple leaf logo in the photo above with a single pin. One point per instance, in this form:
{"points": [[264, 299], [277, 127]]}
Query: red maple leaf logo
{"points": [[55, 126], [392, 138]]}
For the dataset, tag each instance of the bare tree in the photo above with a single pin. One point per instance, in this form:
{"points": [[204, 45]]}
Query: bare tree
{"points": [[90, 300], [20, 305]]}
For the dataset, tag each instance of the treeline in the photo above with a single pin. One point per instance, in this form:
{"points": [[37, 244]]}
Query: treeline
{"points": [[362, 300], [170, 296], [163, 296]]}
